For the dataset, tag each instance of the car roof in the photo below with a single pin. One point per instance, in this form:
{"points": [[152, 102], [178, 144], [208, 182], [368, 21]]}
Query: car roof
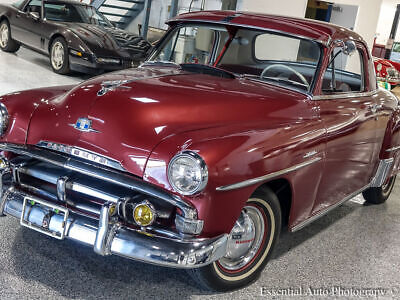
{"points": [[306, 28]]}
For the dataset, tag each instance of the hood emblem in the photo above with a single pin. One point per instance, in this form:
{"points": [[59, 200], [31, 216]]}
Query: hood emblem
{"points": [[108, 86], [84, 124]]}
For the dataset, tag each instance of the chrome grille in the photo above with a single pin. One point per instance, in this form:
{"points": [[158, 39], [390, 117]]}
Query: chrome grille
{"points": [[79, 192], [391, 72]]}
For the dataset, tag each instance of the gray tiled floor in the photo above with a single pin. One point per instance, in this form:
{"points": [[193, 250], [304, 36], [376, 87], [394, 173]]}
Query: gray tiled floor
{"points": [[355, 246]]}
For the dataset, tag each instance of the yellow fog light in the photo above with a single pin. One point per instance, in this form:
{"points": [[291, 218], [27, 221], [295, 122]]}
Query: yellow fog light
{"points": [[144, 213], [112, 210], [3, 163]]}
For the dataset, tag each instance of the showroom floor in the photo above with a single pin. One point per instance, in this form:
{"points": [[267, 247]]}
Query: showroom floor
{"points": [[355, 246]]}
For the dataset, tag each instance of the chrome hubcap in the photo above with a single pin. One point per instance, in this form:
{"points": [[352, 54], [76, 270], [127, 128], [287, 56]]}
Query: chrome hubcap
{"points": [[3, 35], [57, 56], [244, 240]]}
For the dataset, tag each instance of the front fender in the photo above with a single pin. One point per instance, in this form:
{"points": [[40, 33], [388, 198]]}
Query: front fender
{"points": [[72, 39], [236, 156], [21, 106]]}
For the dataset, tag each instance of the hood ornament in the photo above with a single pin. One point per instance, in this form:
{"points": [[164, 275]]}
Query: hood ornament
{"points": [[109, 86], [84, 125]]}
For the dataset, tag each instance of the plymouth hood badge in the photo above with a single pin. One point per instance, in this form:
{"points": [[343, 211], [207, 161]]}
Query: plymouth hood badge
{"points": [[84, 124], [108, 86]]}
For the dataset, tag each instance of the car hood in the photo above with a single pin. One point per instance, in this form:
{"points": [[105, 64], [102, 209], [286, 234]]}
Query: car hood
{"points": [[110, 42], [137, 109]]}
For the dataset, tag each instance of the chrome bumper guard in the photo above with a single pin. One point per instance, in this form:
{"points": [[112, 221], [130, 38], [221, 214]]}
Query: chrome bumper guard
{"points": [[112, 238]]}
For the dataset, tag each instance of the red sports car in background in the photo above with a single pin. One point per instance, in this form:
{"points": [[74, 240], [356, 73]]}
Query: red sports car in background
{"points": [[387, 70]]}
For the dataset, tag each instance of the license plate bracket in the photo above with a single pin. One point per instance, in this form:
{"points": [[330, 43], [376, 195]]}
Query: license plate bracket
{"points": [[51, 209]]}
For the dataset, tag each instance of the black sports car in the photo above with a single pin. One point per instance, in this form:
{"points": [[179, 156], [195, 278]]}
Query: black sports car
{"points": [[75, 36]]}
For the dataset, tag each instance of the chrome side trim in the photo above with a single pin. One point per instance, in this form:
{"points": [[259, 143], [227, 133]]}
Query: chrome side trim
{"points": [[328, 209], [82, 153], [382, 172], [345, 95], [268, 176], [393, 149]]}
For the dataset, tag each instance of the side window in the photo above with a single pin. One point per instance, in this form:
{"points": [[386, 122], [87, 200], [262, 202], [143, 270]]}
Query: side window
{"points": [[345, 73], [34, 6]]}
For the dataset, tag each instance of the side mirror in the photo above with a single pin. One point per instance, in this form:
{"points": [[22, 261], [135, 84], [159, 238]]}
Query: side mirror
{"points": [[349, 47], [34, 15]]}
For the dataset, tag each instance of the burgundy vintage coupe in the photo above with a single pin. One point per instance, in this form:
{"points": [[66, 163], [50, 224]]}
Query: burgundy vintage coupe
{"points": [[238, 124]]}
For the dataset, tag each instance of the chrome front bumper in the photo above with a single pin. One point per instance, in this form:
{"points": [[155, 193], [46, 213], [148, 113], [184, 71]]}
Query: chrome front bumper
{"points": [[112, 238]]}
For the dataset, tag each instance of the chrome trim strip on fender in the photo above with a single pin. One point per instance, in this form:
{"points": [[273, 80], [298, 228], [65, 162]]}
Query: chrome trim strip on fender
{"points": [[268, 176], [328, 209], [393, 149], [345, 95]]}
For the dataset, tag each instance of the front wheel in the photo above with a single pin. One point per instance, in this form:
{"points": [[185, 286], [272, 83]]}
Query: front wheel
{"points": [[249, 248], [7, 44], [59, 56], [379, 195]]}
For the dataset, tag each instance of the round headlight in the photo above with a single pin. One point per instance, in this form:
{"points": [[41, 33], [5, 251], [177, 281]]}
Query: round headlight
{"points": [[187, 173], [3, 118]]}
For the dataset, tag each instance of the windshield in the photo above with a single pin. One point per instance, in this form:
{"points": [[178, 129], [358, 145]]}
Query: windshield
{"points": [[256, 54], [66, 12]]}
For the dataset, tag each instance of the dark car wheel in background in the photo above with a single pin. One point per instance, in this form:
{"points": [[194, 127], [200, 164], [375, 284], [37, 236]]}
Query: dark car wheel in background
{"points": [[251, 243], [59, 58], [379, 195], [7, 44]]}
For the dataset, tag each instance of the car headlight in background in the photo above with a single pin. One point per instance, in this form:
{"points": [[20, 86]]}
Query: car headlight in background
{"points": [[3, 119], [187, 173]]}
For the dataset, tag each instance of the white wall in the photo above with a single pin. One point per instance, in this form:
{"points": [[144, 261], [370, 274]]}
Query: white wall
{"points": [[346, 17], [386, 17], [366, 21], [367, 18], [292, 8], [159, 12]]}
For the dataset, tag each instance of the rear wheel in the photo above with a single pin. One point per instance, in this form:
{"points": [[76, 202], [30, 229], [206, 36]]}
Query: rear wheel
{"points": [[7, 44], [250, 245], [378, 195], [59, 56]]}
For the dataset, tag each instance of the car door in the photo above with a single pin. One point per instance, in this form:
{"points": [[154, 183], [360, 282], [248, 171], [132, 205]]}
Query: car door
{"points": [[28, 28], [348, 110]]}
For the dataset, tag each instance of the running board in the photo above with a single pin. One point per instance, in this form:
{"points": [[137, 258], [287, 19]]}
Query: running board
{"points": [[381, 175], [327, 210]]}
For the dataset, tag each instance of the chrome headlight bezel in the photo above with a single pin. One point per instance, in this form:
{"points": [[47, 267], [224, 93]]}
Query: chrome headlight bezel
{"points": [[4, 119], [198, 162]]}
